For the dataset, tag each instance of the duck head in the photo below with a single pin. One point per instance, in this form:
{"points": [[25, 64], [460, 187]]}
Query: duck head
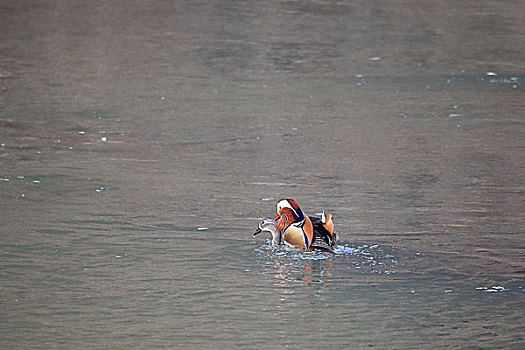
{"points": [[269, 225], [288, 212]]}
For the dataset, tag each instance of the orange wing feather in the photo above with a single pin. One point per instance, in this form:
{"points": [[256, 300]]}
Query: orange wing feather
{"points": [[309, 230], [329, 224]]}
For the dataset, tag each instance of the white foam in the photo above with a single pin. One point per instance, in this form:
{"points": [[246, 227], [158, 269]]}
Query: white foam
{"points": [[493, 289]]}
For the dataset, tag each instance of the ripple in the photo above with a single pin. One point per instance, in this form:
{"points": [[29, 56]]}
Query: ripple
{"points": [[373, 258]]}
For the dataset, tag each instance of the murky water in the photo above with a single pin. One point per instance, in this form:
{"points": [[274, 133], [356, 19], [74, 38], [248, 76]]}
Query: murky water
{"points": [[142, 141]]}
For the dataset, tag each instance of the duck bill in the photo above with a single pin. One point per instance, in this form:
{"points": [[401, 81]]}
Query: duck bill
{"points": [[256, 232], [277, 217]]}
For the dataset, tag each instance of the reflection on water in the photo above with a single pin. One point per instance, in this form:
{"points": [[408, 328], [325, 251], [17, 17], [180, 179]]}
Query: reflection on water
{"points": [[292, 264], [141, 141]]}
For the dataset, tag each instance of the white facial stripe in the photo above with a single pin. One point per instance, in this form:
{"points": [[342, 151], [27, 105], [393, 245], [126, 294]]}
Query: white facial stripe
{"points": [[285, 204]]}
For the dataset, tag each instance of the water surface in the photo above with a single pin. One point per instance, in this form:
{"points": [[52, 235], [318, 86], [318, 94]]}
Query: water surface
{"points": [[141, 142]]}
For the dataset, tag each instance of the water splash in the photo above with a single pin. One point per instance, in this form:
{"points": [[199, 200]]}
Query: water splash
{"points": [[373, 258], [493, 289], [494, 78], [344, 250]]}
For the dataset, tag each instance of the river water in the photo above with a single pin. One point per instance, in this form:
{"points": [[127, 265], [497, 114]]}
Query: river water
{"points": [[141, 142]]}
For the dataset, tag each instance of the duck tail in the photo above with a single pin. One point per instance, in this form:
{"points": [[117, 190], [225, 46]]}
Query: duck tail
{"points": [[328, 223]]}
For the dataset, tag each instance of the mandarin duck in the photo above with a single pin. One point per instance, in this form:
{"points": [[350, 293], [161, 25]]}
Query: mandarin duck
{"points": [[269, 225], [302, 231]]}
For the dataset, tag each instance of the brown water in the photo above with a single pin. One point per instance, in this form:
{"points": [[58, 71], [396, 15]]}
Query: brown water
{"points": [[142, 141]]}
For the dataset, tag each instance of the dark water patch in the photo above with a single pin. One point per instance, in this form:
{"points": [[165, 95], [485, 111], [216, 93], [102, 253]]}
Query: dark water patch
{"points": [[55, 231], [97, 114], [83, 222]]}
